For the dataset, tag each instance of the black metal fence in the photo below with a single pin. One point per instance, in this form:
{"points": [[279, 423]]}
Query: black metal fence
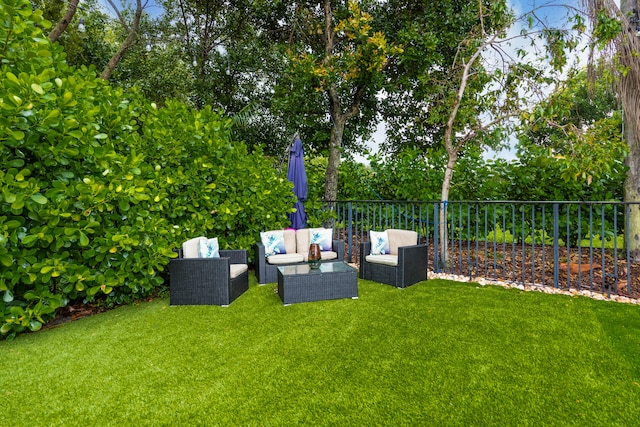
{"points": [[569, 245]]}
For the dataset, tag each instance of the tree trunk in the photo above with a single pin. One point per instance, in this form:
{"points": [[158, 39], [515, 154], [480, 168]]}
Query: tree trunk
{"points": [[339, 117], [335, 149], [632, 191], [64, 22], [453, 148], [444, 201], [128, 42], [331, 177], [627, 48]]}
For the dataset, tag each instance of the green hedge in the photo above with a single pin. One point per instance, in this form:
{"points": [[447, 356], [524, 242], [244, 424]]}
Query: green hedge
{"points": [[99, 186]]}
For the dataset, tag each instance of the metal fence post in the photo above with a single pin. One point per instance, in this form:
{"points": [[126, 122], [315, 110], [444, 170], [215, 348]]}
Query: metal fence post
{"points": [[436, 240], [556, 252], [350, 230]]}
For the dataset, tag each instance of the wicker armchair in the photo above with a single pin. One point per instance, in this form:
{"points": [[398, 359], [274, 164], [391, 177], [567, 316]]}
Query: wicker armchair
{"points": [[208, 281], [405, 265]]}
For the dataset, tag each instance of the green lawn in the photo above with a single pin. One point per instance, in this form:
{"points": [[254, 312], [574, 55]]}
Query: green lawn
{"points": [[437, 353]]}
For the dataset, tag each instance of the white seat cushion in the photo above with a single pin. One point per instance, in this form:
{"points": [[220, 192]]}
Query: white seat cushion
{"points": [[237, 269], [285, 259], [327, 255], [391, 260], [324, 255]]}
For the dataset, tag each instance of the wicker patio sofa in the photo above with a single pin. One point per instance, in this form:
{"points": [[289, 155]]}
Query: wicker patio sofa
{"points": [[404, 265], [296, 244], [207, 281]]}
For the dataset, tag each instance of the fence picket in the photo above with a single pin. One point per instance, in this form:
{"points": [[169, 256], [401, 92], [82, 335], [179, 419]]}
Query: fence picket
{"points": [[580, 244]]}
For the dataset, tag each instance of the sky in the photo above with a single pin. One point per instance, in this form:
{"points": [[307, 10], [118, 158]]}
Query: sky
{"points": [[152, 6]]}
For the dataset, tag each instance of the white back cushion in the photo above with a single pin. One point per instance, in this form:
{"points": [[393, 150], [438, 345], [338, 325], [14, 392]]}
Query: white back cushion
{"points": [[290, 241], [191, 248], [398, 238]]}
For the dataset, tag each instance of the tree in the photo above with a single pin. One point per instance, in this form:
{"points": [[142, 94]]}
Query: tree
{"points": [[213, 53], [338, 59], [418, 78], [61, 26], [580, 124], [53, 8], [617, 28], [131, 32], [218, 44], [488, 83]]}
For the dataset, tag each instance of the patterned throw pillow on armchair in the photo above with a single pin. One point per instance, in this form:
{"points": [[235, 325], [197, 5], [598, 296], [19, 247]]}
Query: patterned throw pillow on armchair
{"points": [[379, 242]]}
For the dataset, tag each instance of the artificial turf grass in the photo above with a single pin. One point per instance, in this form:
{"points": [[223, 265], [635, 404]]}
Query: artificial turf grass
{"points": [[436, 353]]}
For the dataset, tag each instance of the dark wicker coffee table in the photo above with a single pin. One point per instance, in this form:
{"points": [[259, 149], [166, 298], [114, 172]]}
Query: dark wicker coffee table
{"points": [[333, 280]]}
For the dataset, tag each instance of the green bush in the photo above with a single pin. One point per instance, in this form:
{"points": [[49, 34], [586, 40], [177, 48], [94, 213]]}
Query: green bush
{"points": [[99, 186]]}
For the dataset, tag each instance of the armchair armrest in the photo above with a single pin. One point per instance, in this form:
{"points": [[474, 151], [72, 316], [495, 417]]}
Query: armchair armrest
{"points": [[412, 262], [415, 252], [236, 256], [185, 269], [261, 262]]}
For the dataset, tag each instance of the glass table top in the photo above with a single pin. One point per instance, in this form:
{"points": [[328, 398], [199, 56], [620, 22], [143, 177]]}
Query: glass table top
{"points": [[325, 267]]}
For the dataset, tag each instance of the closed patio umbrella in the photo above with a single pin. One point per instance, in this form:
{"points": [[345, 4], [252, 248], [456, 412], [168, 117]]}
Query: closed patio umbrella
{"points": [[298, 176]]}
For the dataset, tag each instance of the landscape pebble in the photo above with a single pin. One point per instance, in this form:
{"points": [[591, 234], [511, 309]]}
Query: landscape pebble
{"points": [[535, 288]]}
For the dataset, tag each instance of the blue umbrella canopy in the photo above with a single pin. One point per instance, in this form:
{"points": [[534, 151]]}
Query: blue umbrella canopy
{"points": [[298, 176]]}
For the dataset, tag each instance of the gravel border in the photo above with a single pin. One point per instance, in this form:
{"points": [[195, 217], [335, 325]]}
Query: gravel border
{"points": [[534, 288]]}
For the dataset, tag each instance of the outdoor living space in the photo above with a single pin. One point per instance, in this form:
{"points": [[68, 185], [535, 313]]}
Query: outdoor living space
{"points": [[332, 213]]}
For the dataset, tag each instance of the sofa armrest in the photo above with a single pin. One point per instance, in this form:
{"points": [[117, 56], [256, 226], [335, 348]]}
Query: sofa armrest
{"points": [[236, 256], [338, 247]]}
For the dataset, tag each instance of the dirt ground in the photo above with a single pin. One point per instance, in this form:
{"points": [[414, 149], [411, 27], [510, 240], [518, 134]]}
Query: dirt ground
{"points": [[578, 268]]}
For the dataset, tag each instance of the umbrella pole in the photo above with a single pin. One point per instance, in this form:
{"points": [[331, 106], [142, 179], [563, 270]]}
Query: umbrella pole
{"points": [[287, 153]]}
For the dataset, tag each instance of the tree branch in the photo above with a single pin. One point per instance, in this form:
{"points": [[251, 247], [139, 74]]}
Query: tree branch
{"points": [[64, 22], [128, 42], [119, 15]]}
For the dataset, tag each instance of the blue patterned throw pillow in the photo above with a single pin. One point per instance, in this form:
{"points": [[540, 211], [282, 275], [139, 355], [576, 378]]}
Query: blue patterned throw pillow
{"points": [[273, 242], [208, 248], [379, 242], [321, 236]]}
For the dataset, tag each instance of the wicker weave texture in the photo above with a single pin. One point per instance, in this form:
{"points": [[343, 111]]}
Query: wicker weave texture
{"points": [[268, 273], [316, 285], [411, 269], [198, 281]]}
